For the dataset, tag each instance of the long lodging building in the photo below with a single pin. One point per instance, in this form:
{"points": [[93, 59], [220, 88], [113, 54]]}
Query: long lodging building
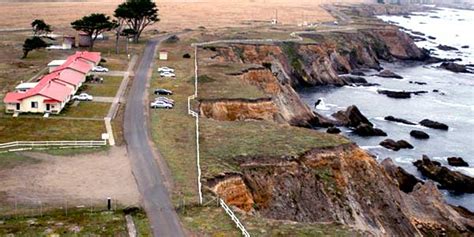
{"points": [[53, 91]]}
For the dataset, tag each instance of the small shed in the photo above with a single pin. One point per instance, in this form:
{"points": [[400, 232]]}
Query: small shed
{"points": [[84, 40], [54, 64], [163, 55], [69, 42]]}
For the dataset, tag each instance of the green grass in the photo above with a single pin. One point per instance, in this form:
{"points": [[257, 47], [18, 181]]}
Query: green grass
{"points": [[221, 141], [208, 221], [85, 109], [75, 151], [142, 224], [76, 223], [108, 88], [12, 160], [39, 129]]}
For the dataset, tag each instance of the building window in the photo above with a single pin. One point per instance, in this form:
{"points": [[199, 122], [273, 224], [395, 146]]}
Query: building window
{"points": [[34, 105]]}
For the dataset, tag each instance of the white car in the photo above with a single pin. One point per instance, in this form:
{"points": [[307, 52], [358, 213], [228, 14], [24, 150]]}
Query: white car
{"points": [[165, 69], [100, 69], [167, 74], [165, 99], [83, 97], [160, 105]]}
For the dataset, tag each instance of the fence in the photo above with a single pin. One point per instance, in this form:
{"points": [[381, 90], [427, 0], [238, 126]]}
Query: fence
{"points": [[15, 146], [22, 205], [234, 218]]}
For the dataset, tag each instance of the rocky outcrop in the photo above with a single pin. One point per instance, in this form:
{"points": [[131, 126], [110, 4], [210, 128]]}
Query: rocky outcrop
{"points": [[457, 162], [398, 120], [396, 145], [351, 117], [389, 74], [333, 130], [419, 134], [448, 179], [400, 94], [433, 124], [239, 110], [446, 47], [343, 185], [406, 181], [365, 130], [454, 67]]}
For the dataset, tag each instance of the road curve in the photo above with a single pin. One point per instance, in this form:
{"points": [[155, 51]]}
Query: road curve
{"points": [[162, 216]]}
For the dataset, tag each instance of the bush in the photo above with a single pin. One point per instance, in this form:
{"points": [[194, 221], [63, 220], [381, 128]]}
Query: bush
{"points": [[172, 39]]}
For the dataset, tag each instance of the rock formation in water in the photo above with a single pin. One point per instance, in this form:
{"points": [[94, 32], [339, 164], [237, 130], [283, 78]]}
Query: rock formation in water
{"points": [[448, 179]]}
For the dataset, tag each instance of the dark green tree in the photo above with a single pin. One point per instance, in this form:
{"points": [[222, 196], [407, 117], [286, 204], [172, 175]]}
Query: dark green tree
{"points": [[40, 27], [33, 43], [137, 14], [94, 25]]}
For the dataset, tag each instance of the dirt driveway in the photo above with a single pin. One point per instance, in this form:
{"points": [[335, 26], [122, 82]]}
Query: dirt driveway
{"points": [[81, 179]]}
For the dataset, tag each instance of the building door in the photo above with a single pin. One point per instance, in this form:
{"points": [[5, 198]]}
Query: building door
{"points": [[17, 106], [48, 107]]}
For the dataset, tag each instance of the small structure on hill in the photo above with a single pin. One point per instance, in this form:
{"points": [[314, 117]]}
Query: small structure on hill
{"points": [[163, 55]]}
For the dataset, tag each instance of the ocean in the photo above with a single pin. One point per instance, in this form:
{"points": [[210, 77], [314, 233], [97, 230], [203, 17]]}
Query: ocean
{"points": [[452, 105]]}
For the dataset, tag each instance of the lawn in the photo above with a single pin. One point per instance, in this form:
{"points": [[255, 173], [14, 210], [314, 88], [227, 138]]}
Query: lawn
{"points": [[77, 222], [107, 89], [85, 109], [39, 129]]}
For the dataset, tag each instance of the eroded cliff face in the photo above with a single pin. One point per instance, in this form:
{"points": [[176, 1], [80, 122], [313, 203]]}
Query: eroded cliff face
{"points": [[283, 104], [342, 185]]}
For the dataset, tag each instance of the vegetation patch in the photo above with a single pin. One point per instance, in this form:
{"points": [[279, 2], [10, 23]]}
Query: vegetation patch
{"points": [[77, 222]]}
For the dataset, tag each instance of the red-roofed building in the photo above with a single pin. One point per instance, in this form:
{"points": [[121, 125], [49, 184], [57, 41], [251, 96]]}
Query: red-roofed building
{"points": [[53, 90], [49, 96]]}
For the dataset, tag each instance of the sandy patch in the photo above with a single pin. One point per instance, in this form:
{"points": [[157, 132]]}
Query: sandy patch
{"points": [[80, 179]]}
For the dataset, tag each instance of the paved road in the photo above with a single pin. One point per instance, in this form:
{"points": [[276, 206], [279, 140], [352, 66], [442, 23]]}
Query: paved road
{"points": [[163, 218]]}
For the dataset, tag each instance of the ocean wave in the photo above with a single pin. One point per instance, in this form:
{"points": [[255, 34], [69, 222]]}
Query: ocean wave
{"points": [[450, 104]]}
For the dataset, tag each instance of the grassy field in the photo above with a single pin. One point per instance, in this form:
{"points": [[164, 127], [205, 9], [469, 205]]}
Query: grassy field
{"points": [[85, 109], [107, 89], [80, 222], [34, 129]]}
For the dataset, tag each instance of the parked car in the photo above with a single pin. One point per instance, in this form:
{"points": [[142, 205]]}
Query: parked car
{"points": [[163, 92], [165, 99], [167, 74], [100, 69], [160, 105], [165, 69], [83, 97]]}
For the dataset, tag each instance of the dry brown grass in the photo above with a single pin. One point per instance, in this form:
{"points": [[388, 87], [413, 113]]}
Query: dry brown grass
{"points": [[175, 14]]}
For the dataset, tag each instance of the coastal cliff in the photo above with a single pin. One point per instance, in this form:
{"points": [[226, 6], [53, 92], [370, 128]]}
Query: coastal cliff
{"points": [[289, 65], [338, 185], [335, 184]]}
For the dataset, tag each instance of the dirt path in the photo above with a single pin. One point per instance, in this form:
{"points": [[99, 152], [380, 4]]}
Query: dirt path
{"points": [[80, 179]]}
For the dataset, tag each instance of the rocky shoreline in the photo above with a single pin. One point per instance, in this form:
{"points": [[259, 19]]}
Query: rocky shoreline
{"points": [[332, 184]]}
